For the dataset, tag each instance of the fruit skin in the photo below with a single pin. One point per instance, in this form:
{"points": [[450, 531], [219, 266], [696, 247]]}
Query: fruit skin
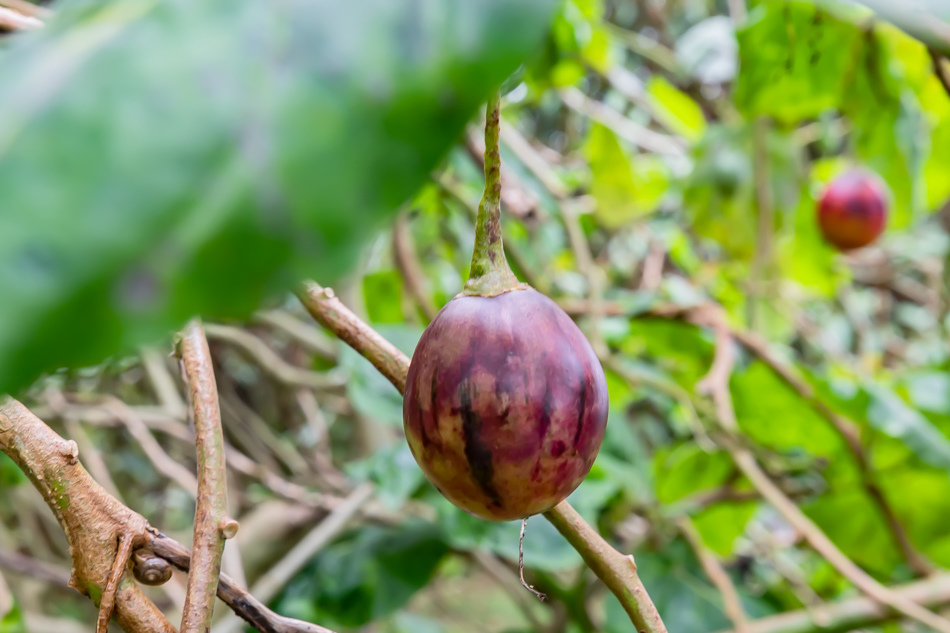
{"points": [[852, 211], [505, 405]]}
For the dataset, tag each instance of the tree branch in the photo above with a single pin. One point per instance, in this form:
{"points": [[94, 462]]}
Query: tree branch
{"points": [[732, 605], [107, 604], [617, 571], [854, 613], [717, 384], [91, 519], [212, 523]]}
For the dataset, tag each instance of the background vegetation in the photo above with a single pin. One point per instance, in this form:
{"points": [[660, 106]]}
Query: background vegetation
{"points": [[662, 162]]}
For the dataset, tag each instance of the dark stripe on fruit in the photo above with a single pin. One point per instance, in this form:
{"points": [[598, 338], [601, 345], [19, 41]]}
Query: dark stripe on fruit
{"points": [[580, 414], [479, 456]]}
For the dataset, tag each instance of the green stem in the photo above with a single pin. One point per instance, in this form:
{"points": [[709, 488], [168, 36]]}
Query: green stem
{"points": [[490, 274]]}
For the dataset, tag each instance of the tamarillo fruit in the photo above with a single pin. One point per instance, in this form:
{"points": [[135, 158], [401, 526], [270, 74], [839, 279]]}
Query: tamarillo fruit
{"points": [[505, 405], [852, 210]]}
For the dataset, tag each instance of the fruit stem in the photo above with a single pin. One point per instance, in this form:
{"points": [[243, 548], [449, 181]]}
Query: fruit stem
{"points": [[490, 274]]}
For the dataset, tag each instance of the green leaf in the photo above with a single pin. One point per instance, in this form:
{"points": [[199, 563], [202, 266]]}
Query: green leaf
{"points": [[774, 415], [10, 473], [793, 59], [12, 621], [165, 159], [889, 414], [366, 575], [624, 189], [382, 294], [393, 470], [675, 109]]}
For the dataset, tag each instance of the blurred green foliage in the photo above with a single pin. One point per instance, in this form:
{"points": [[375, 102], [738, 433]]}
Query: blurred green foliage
{"points": [[164, 159]]}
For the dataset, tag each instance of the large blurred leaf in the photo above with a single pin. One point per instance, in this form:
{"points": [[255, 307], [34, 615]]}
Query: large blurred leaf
{"points": [[793, 59], [162, 159]]}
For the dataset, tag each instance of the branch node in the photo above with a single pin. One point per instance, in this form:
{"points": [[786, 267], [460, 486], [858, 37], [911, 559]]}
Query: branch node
{"points": [[228, 528]]}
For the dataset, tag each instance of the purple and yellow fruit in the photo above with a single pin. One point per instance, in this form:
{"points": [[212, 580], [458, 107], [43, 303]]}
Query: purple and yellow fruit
{"points": [[505, 405], [852, 211]]}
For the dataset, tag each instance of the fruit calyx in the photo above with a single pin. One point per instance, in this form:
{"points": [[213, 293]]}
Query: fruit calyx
{"points": [[490, 274]]}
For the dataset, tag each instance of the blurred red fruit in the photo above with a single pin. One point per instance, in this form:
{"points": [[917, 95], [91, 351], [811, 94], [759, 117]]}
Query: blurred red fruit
{"points": [[852, 210]]}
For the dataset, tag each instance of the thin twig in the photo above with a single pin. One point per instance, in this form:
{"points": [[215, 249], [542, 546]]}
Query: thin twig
{"points": [[510, 583], [731, 602], [107, 603], [304, 333], [323, 305], [269, 361], [717, 384], [404, 252], [541, 596], [212, 523], [34, 568], [15, 21], [625, 128], [856, 613], [617, 571], [850, 433], [271, 583], [163, 463], [163, 384], [245, 605], [940, 70]]}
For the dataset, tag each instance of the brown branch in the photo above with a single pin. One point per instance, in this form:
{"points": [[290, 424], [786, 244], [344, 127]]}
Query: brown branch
{"points": [[91, 519], [249, 608], [140, 432], [304, 333], [712, 316], [940, 70], [107, 603], [850, 433], [854, 613], [34, 568], [13, 21], [617, 571], [717, 384], [274, 580], [404, 253], [269, 361], [732, 605], [330, 312], [212, 523]]}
